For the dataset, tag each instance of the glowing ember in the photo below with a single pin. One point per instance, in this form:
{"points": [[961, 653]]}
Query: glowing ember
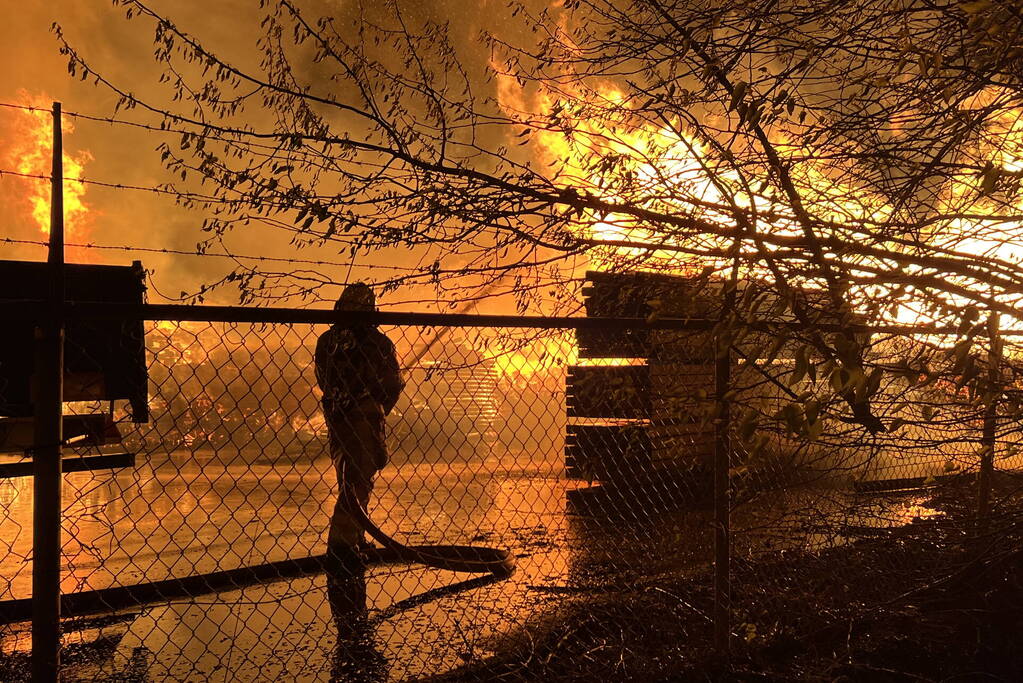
{"points": [[28, 149]]}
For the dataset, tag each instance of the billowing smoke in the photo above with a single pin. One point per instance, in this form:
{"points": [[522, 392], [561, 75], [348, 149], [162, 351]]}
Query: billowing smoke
{"points": [[126, 156]]}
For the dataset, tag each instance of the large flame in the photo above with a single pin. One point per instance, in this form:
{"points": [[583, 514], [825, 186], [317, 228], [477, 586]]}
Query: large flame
{"points": [[595, 144], [28, 149]]}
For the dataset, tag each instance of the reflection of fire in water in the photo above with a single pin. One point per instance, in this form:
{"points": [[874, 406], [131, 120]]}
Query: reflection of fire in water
{"points": [[913, 509], [10, 489], [28, 148]]}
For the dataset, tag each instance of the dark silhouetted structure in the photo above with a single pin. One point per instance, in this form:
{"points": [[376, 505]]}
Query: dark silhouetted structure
{"points": [[104, 359]]}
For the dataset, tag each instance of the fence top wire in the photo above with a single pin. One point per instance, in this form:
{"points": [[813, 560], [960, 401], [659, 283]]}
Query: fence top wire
{"points": [[33, 310]]}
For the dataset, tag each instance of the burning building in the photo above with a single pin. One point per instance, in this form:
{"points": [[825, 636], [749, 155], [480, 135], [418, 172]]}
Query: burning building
{"points": [[450, 401]]}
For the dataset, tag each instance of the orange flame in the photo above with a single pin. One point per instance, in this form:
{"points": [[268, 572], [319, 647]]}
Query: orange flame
{"points": [[588, 135], [28, 150]]}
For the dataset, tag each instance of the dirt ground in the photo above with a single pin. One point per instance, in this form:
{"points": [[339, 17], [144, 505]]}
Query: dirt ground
{"points": [[934, 600]]}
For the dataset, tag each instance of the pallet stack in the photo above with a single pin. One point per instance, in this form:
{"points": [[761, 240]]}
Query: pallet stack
{"points": [[639, 410], [640, 403]]}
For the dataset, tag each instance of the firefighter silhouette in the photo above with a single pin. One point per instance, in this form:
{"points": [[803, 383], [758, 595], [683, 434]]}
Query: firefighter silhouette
{"points": [[358, 373]]}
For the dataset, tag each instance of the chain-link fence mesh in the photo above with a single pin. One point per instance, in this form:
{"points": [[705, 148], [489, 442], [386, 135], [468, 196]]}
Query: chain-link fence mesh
{"points": [[872, 555], [196, 549], [233, 469]]}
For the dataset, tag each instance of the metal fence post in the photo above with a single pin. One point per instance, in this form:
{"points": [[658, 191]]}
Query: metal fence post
{"points": [[46, 455], [988, 435], [722, 500]]}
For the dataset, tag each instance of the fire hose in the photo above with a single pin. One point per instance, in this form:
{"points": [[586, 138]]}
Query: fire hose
{"points": [[457, 558]]}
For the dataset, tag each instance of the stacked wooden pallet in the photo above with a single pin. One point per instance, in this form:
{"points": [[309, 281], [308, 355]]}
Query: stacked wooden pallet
{"points": [[647, 395], [647, 437]]}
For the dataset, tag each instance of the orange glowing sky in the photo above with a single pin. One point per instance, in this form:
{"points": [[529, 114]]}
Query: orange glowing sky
{"points": [[106, 153], [37, 75]]}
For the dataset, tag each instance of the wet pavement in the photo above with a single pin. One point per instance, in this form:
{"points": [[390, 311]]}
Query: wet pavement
{"points": [[190, 513], [184, 516]]}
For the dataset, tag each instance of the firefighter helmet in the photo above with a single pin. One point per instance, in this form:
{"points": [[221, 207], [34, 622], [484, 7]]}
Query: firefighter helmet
{"points": [[356, 297]]}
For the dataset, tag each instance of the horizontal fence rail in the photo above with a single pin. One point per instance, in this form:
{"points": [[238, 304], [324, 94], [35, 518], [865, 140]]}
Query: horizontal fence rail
{"points": [[30, 310]]}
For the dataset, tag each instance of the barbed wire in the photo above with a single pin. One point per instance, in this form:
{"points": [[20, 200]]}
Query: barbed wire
{"points": [[26, 107], [115, 186], [184, 252], [209, 134], [404, 275]]}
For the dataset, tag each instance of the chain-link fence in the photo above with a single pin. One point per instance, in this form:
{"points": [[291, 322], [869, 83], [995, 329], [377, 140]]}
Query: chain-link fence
{"points": [[880, 555], [195, 531]]}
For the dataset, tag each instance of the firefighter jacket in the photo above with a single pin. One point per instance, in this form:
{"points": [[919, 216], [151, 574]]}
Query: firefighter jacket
{"points": [[353, 364]]}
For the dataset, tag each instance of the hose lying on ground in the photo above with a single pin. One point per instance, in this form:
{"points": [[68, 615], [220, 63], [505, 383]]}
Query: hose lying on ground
{"points": [[457, 558]]}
